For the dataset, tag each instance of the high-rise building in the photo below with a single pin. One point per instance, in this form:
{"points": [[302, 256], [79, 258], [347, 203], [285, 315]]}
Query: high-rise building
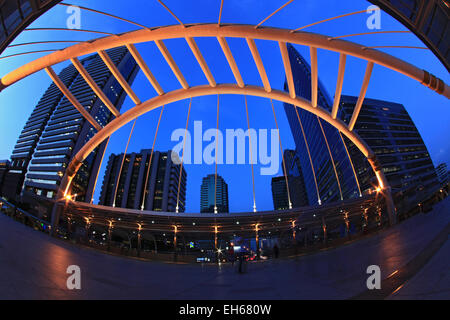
{"points": [[390, 132], [324, 160], [279, 193], [32, 132], [214, 195], [15, 16], [442, 173], [4, 168], [56, 131], [125, 178], [297, 188]]}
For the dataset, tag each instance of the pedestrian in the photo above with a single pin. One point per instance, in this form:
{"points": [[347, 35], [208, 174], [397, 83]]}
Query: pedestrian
{"points": [[276, 251]]}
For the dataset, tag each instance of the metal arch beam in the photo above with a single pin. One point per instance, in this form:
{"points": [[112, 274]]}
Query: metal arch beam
{"points": [[119, 77], [201, 61], [87, 77], [340, 83], [233, 31], [171, 62], [362, 96], [145, 69], [259, 64], [287, 68], [204, 90], [314, 77], [72, 98], [234, 68]]}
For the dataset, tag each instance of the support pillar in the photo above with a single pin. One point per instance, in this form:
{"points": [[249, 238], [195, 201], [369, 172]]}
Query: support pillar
{"points": [[110, 227], [324, 227], [175, 239], [56, 212], [258, 251], [384, 188], [86, 237], [139, 236]]}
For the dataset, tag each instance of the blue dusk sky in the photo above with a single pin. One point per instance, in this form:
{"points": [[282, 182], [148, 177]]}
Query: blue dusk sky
{"points": [[429, 111]]}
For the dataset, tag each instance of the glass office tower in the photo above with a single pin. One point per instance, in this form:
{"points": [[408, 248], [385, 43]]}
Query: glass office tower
{"points": [[124, 182], [32, 132], [298, 195], [297, 189], [207, 198], [56, 131], [390, 132], [330, 164]]}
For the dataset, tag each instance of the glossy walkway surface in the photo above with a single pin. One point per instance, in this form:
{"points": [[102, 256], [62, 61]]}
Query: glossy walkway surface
{"points": [[33, 266]]}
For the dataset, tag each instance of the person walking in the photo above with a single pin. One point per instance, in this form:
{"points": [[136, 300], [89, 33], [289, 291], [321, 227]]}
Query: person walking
{"points": [[276, 251]]}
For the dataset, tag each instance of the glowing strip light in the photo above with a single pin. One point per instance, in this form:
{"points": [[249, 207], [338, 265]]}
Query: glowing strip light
{"points": [[351, 162], [121, 165], [216, 154], [251, 154], [182, 156], [151, 158], [331, 156], [282, 156]]}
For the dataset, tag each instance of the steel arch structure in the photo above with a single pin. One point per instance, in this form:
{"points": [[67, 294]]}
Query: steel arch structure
{"points": [[248, 32]]}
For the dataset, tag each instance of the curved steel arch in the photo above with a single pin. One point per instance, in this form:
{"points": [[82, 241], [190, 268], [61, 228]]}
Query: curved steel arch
{"points": [[232, 31], [205, 90]]}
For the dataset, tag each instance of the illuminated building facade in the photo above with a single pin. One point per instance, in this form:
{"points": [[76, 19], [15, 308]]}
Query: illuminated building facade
{"points": [[124, 182]]}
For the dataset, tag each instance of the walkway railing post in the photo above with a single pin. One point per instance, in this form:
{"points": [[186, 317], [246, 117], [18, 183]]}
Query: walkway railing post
{"points": [[56, 212], [324, 227], [110, 227], [257, 241], [175, 242], [139, 237], [385, 188], [86, 237]]}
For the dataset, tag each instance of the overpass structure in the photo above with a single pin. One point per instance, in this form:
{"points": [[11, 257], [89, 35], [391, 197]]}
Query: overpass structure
{"points": [[220, 32]]}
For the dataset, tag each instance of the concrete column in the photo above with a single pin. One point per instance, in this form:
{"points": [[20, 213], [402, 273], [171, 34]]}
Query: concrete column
{"points": [[385, 188], [390, 206], [258, 253], [56, 212], [109, 236], [87, 231], [139, 236]]}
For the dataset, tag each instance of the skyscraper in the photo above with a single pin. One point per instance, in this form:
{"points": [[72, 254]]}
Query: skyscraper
{"points": [[32, 132], [279, 193], [127, 182], [390, 132], [298, 195], [210, 200], [442, 173], [324, 160], [56, 130], [4, 168]]}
